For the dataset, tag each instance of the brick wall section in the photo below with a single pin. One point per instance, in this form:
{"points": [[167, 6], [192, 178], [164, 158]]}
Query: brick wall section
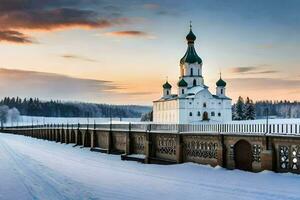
{"points": [[277, 153]]}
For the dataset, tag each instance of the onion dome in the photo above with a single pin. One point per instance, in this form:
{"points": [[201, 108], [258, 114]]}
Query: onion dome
{"points": [[221, 83], [191, 56], [167, 85], [182, 83], [191, 37]]}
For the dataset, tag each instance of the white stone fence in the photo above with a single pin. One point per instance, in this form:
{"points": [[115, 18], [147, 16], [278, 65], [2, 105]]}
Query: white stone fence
{"points": [[226, 128]]}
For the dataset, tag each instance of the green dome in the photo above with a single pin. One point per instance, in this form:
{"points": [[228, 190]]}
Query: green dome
{"points": [[221, 83], [190, 55], [167, 85], [191, 37], [182, 83]]}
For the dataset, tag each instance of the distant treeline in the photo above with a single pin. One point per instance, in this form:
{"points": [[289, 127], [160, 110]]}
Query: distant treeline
{"points": [[248, 110], [36, 107], [281, 109]]}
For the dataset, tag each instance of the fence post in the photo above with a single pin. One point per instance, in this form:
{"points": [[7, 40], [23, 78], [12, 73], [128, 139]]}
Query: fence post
{"points": [[147, 150], [179, 153], [128, 141], [109, 139]]}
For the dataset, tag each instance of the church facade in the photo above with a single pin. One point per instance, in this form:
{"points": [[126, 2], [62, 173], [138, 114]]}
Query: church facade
{"points": [[193, 102]]}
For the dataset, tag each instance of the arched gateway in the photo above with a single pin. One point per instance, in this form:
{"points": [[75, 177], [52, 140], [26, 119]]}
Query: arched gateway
{"points": [[243, 155]]}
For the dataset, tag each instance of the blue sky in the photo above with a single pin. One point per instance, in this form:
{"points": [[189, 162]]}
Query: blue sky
{"points": [[122, 51]]}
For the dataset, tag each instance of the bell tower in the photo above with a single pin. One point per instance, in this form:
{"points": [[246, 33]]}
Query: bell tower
{"points": [[191, 63]]}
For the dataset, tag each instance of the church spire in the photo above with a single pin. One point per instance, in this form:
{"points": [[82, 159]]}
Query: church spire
{"points": [[191, 55], [221, 82], [191, 36]]}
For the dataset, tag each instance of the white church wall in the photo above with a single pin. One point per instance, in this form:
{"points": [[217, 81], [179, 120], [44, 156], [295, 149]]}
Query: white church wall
{"points": [[165, 112]]}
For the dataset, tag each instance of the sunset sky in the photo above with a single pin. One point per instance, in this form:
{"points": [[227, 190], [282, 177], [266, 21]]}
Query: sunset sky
{"points": [[116, 51]]}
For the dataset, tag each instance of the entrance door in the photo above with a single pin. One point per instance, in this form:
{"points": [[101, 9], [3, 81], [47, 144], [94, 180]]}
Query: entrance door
{"points": [[205, 116], [243, 155]]}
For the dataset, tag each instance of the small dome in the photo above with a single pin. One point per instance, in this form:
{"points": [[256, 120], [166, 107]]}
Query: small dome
{"points": [[221, 83], [191, 37], [167, 85], [190, 55], [182, 83]]}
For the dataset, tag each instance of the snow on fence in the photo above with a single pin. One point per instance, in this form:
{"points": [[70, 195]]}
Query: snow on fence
{"points": [[228, 128]]}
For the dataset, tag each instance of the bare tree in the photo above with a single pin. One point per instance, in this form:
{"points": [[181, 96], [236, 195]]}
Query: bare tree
{"points": [[3, 114], [13, 115]]}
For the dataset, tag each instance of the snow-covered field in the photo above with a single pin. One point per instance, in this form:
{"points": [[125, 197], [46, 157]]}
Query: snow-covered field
{"points": [[28, 120], [37, 169]]}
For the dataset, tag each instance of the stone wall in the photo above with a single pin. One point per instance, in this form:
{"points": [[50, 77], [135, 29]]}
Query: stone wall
{"points": [[249, 152]]}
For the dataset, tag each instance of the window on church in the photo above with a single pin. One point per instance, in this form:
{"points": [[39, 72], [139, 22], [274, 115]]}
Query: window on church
{"points": [[198, 72], [204, 105], [191, 114], [182, 91], [192, 73], [219, 114], [199, 114], [212, 114], [221, 91], [168, 92], [194, 82]]}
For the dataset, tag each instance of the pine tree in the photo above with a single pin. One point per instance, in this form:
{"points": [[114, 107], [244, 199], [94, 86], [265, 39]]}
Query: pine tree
{"points": [[249, 112], [239, 109]]}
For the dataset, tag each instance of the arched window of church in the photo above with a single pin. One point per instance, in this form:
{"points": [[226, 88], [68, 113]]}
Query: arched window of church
{"points": [[205, 116], [198, 72], [194, 82], [221, 91], [182, 91], [191, 114], [199, 114], [204, 105], [168, 92], [219, 114], [192, 73]]}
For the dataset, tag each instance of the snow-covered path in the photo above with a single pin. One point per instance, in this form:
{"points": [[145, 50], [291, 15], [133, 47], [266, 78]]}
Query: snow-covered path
{"points": [[37, 169]]}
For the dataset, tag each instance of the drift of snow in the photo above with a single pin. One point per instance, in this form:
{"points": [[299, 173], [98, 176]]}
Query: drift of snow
{"points": [[38, 169], [29, 120]]}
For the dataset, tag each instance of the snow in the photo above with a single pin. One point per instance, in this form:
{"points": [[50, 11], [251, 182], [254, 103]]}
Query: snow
{"points": [[29, 120], [39, 169], [140, 156]]}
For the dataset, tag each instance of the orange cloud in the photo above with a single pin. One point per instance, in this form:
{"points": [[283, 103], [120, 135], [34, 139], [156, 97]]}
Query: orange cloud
{"points": [[77, 57], [14, 37], [50, 15], [130, 33]]}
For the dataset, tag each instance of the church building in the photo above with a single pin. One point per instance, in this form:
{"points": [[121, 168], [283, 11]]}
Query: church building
{"points": [[193, 103]]}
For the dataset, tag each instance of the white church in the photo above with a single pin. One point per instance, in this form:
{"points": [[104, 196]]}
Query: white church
{"points": [[193, 103]]}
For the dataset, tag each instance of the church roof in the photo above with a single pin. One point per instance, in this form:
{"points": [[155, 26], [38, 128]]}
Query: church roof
{"points": [[195, 90], [221, 83], [191, 36], [167, 85], [217, 97], [182, 83], [190, 55]]}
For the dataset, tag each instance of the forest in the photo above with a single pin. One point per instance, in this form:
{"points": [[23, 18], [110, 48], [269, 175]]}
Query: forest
{"points": [[36, 107], [248, 109]]}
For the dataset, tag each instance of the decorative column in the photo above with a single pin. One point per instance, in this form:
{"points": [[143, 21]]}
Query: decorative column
{"points": [[179, 153], [148, 145], [128, 133]]}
